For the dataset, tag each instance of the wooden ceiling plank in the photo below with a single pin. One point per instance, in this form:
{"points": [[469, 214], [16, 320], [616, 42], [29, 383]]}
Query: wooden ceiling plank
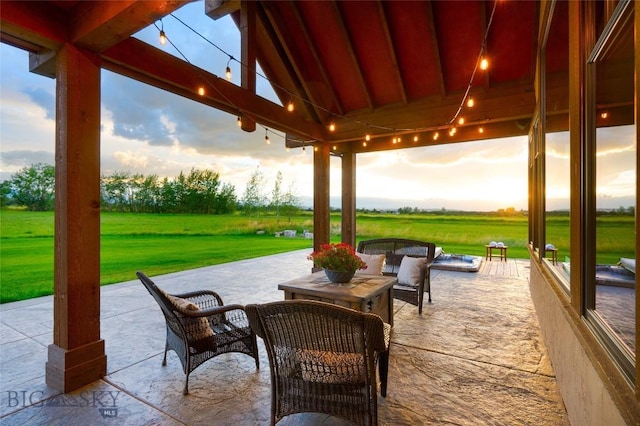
{"points": [[142, 62], [434, 47], [299, 89], [353, 57], [321, 68], [311, 100], [392, 51]]}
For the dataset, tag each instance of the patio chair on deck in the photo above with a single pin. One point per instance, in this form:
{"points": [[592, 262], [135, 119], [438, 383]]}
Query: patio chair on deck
{"points": [[322, 358], [200, 327]]}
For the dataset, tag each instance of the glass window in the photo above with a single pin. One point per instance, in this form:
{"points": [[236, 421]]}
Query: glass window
{"points": [[612, 301], [557, 148]]}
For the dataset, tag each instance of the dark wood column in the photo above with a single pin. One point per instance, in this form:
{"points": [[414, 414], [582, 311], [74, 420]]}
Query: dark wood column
{"points": [[77, 356], [320, 194], [349, 198]]}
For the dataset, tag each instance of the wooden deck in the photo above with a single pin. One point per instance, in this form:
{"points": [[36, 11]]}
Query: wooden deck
{"points": [[509, 268]]}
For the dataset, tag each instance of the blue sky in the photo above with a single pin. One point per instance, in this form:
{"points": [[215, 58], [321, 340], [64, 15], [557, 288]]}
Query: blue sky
{"points": [[146, 130]]}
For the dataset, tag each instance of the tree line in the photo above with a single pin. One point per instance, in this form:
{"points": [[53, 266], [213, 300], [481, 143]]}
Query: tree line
{"points": [[199, 191]]}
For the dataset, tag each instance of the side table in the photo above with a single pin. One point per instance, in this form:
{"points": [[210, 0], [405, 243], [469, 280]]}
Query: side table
{"points": [[554, 254], [502, 252]]}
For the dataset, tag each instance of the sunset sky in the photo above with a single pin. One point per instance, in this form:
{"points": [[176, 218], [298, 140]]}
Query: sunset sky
{"points": [[149, 131]]}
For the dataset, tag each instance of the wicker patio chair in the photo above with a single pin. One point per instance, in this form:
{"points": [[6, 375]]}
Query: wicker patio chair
{"points": [[322, 358], [395, 249], [200, 327]]}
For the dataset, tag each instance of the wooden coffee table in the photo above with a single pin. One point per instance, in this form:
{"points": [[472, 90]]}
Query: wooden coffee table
{"points": [[365, 293]]}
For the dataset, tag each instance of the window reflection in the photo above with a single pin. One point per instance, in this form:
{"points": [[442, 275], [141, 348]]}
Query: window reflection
{"points": [[616, 170]]}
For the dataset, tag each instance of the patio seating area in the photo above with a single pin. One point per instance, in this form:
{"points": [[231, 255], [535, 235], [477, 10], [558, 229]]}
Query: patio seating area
{"points": [[475, 356]]}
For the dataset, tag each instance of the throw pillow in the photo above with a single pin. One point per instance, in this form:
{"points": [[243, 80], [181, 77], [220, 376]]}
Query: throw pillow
{"points": [[374, 262], [409, 272], [198, 328]]}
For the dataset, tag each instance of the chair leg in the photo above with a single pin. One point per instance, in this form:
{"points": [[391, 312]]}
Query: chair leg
{"points": [[166, 349], [254, 342], [383, 370], [185, 391]]}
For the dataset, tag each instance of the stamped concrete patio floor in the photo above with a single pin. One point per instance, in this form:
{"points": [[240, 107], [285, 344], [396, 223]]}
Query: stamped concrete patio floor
{"points": [[474, 357]]}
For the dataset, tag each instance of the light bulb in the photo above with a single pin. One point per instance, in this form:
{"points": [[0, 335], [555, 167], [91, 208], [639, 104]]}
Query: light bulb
{"points": [[367, 137], [290, 106], [461, 120], [480, 130], [436, 135], [604, 115], [484, 63], [335, 148], [201, 91], [163, 38], [470, 102], [239, 121], [332, 126], [415, 138], [364, 143], [267, 140], [228, 73]]}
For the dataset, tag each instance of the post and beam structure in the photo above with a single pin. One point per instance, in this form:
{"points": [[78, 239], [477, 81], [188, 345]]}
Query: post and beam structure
{"points": [[77, 356]]}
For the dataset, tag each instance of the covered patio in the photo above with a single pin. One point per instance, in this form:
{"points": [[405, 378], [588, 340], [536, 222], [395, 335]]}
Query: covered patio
{"points": [[467, 360]]}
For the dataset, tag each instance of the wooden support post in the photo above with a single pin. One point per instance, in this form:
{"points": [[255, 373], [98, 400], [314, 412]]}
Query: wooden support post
{"points": [[349, 198], [248, 51], [77, 356], [320, 194]]}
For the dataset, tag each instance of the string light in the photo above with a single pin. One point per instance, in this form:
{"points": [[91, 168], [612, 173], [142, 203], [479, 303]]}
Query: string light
{"points": [[227, 72], [480, 130], [604, 115], [163, 37], [266, 136], [461, 121], [201, 91], [483, 63]]}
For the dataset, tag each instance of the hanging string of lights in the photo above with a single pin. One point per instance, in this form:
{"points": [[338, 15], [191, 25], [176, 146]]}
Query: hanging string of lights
{"points": [[482, 63]]}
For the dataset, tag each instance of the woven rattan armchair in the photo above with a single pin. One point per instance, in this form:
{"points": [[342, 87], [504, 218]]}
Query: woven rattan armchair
{"points": [[395, 249], [322, 358], [200, 327]]}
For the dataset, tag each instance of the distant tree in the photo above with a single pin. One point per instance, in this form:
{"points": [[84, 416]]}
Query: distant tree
{"points": [[277, 196], [114, 191], [253, 199], [34, 187], [226, 199], [6, 194], [290, 202]]}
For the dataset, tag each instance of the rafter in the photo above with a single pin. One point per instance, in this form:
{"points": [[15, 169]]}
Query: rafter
{"points": [[434, 47], [353, 57], [319, 63], [392, 52]]}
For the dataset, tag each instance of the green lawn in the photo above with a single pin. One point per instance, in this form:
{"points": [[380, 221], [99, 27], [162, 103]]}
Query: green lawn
{"points": [[160, 244]]}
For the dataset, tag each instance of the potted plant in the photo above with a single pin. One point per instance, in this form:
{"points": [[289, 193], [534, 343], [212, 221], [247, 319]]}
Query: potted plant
{"points": [[339, 261]]}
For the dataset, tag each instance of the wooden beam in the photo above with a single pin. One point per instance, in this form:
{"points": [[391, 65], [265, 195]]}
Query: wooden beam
{"points": [[142, 62], [321, 183], [349, 198], [248, 49], [433, 39], [98, 25], [77, 356], [216, 9]]}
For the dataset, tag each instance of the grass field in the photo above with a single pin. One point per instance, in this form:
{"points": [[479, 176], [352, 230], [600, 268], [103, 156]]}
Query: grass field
{"points": [[161, 244]]}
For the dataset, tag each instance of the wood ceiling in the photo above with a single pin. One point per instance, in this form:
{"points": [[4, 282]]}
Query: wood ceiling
{"points": [[381, 67]]}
